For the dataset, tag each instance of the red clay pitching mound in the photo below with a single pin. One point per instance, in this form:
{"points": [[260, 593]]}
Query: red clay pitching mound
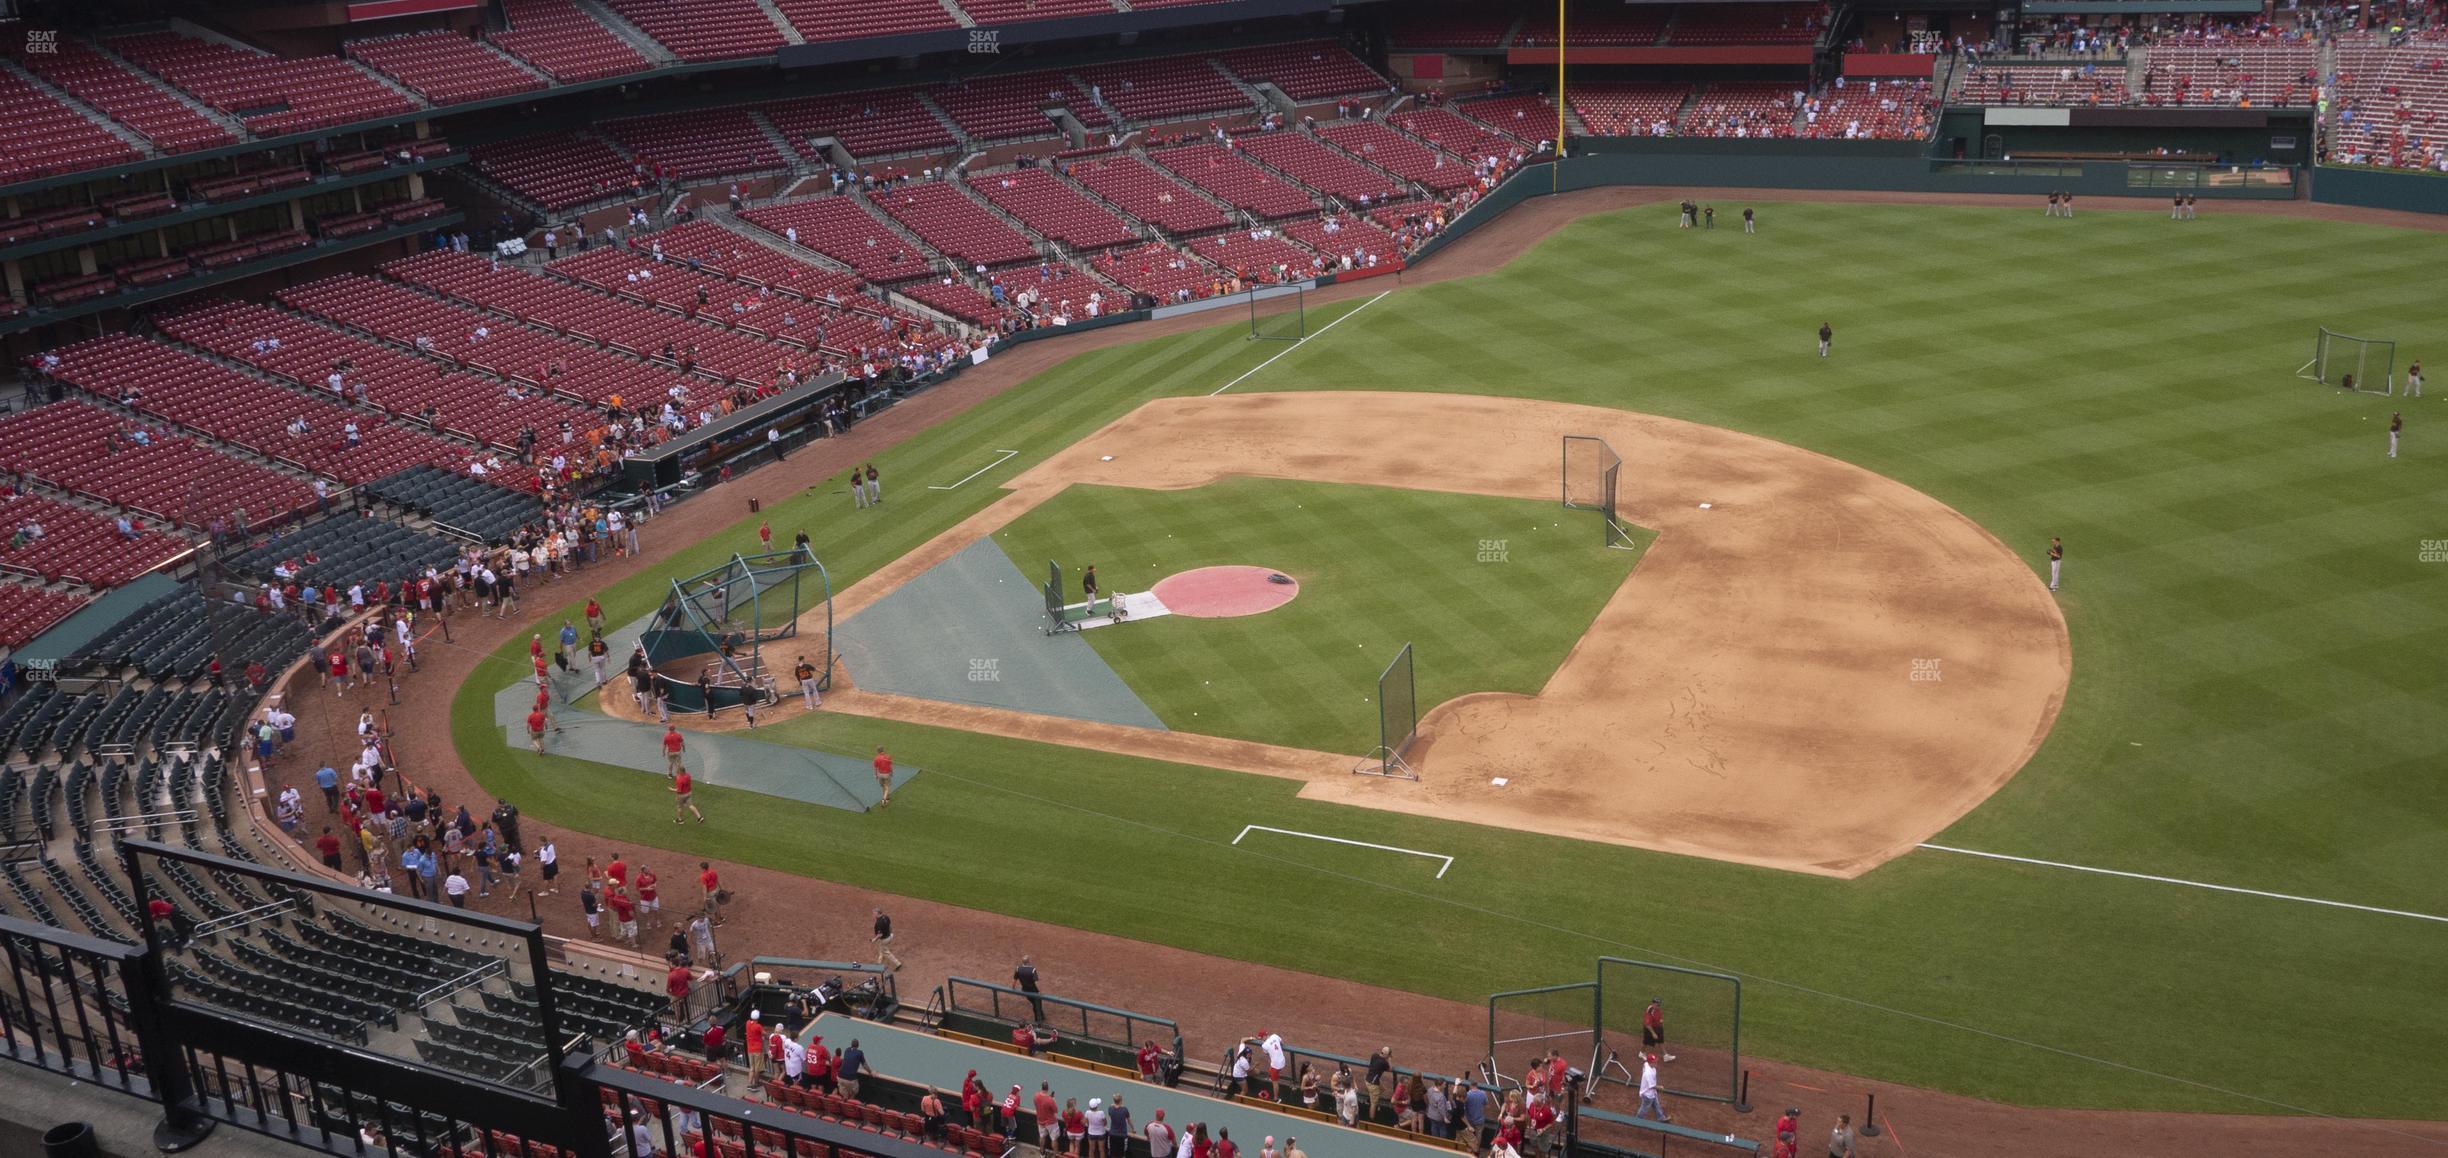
{"points": [[1224, 592]]}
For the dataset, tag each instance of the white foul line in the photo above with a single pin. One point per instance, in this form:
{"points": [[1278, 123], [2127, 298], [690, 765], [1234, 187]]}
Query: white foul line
{"points": [[2188, 884], [1296, 345], [1250, 828], [979, 471]]}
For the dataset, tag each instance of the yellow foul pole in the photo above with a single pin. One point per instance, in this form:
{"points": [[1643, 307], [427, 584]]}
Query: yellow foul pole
{"points": [[1555, 171]]}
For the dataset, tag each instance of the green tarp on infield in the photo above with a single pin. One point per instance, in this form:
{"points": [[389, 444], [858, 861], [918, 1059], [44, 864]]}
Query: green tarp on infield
{"points": [[971, 630]]}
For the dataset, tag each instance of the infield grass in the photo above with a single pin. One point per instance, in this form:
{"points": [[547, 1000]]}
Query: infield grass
{"points": [[1491, 592], [2255, 700]]}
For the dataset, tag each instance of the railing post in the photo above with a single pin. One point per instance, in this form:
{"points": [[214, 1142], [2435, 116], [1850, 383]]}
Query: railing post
{"points": [[183, 1123]]}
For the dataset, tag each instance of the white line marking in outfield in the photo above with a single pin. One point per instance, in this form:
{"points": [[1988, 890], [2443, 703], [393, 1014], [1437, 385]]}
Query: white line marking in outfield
{"points": [[2188, 884], [1250, 828], [979, 471], [1296, 345]]}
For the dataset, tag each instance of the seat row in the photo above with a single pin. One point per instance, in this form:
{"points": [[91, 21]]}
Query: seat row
{"points": [[627, 327], [41, 137], [698, 144], [77, 545], [556, 171], [127, 98], [698, 30], [955, 226], [26, 612], [559, 39], [1234, 180], [81, 449], [1149, 194], [272, 95], [278, 423], [575, 369], [1398, 154], [314, 357]]}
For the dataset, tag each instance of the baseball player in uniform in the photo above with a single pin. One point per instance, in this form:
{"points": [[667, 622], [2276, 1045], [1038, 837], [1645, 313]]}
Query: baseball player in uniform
{"points": [[2057, 558]]}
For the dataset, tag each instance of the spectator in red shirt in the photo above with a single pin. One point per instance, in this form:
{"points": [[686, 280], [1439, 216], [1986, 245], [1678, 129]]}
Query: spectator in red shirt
{"points": [[676, 984], [618, 873], [672, 747], [711, 882], [624, 915], [328, 846], [755, 1033], [536, 721]]}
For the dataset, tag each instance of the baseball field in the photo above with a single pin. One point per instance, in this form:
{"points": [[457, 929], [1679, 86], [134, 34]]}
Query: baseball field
{"points": [[2238, 685]]}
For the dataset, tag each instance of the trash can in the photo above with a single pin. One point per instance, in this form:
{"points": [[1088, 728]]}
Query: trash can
{"points": [[755, 505], [70, 1140]]}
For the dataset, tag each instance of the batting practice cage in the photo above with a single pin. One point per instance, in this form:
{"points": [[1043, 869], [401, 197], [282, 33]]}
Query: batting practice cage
{"points": [[1063, 615], [1279, 313], [2367, 365], [1597, 1026], [1592, 470], [713, 626], [1397, 721]]}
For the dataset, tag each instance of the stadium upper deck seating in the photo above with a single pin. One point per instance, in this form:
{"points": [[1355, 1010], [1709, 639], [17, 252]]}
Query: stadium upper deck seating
{"points": [[955, 226], [398, 314], [1309, 70], [1235, 180], [1014, 107], [842, 229], [1043, 202], [991, 12], [561, 40], [699, 144], [875, 123], [270, 94], [444, 67], [1469, 24], [402, 384], [1319, 167], [555, 170], [1747, 23], [1145, 192], [125, 97], [78, 545], [1627, 109], [40, 137], [169, 478], [1613, 26], [248, 412], [820, 20], [1163, 87], [623, 325], [1398, 154], [704, 29]]}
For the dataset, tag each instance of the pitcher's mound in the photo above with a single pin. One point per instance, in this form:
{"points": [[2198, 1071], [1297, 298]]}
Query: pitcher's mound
{"points": [[1223, 592]]}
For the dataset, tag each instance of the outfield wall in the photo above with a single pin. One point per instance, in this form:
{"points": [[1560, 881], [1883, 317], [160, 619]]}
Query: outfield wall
{"points": [[2381, 189]]}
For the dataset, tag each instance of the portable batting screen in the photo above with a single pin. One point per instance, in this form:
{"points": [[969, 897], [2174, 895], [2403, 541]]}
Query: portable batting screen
{"points": [[1279, 314], [2366, 365], [1524, 1025], [1397, 721], [712, 628], [1592, 472], [1702, 1017]]}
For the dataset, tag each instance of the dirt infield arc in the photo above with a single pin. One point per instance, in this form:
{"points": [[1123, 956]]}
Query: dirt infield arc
{"points": [[1817, 671]]}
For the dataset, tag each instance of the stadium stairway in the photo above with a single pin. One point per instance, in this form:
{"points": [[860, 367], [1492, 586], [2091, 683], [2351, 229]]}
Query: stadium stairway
{"points": [[134, 139], [722, 215], [628, 33], [791, 157], [790, 33], [959, 16]]}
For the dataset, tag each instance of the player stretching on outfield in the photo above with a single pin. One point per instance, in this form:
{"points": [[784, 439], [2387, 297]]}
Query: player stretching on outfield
{"points": [[1827, 337], [2056, 560], [2414, 379], [2396, 426]]}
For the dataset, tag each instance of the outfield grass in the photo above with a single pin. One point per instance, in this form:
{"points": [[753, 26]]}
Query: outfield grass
{"points": [[2255, 696], [1378, 567]]}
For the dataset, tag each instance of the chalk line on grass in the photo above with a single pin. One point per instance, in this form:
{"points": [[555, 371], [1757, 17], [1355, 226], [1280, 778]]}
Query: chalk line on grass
{"points": [[2188, 884], [1297, 345], [1250, 828], [1004, 456]]}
